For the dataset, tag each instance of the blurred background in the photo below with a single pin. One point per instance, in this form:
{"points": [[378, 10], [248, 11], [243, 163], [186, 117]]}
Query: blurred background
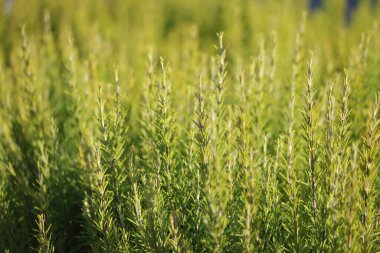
{"points": [[132, 25]]}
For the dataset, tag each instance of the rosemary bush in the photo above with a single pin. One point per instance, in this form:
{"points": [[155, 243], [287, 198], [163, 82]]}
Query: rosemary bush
{"points": [[122, 129]]}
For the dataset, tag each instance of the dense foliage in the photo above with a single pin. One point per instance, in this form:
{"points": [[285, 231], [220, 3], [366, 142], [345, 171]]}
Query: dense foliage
{"points": [[139, 126]]}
